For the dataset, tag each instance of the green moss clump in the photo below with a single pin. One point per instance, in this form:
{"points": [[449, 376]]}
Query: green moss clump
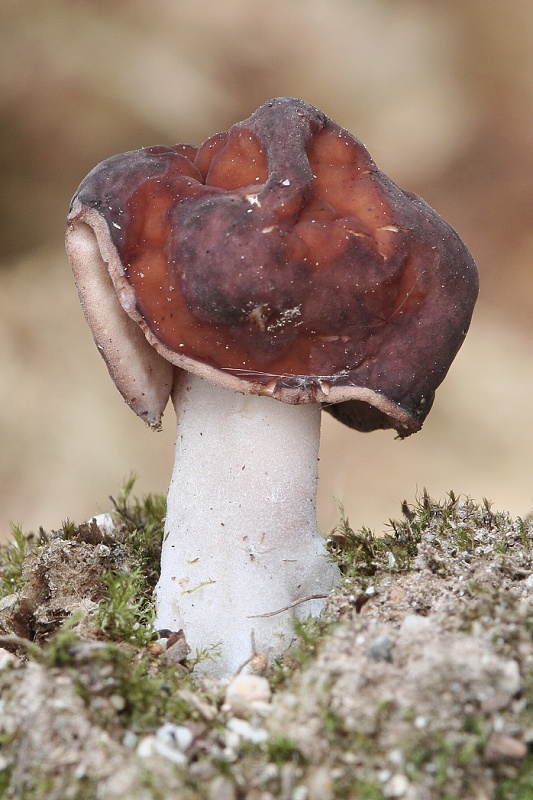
{"points": [[12, 558], [519, 787], [126, 612], [283, 749], [456, 525], [143, 523]]}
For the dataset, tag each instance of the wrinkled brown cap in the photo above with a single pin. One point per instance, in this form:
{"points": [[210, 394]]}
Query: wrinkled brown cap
{"points": [[277, 259]]}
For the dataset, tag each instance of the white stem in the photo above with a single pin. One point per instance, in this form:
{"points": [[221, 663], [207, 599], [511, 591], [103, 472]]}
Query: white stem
{"points": [[241, 537]]}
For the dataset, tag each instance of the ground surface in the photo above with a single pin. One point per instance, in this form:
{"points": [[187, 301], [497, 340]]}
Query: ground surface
{"points": [[417, 683]]}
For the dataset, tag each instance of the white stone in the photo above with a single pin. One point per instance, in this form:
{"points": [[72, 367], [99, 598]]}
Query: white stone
{"points": [[397, 786], [170, 741], [146, 747], [177, 736], [246, 693], [413, 624], [222, 788], [246, 732], [320, 784], [9, 602], [105, 522], [6, 658]]}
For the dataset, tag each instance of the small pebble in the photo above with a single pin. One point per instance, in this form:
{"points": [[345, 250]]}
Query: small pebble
{"points": [[247, 693], [222, 788], [414, 623], [118, 702], [396, 757], [176, 652], [105, 523], [380, 649], [246, 732], [9, 602], [510, 680], [290, 700], [206, 710], [155, 648], [170, 742], [320, 785], [503, 749], [176, 735], [396, 787], [129, 740], [146, 747], [6, 658]]}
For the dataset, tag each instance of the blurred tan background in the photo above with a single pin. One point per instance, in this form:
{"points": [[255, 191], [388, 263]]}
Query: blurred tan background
{"points": [[441, 92]]}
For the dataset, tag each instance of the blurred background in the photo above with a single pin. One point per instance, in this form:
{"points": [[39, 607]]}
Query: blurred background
{"points": [[441, 93]]}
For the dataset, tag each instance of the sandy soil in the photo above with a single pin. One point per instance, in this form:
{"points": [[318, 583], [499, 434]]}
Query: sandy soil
{"points": [[415, 684]]}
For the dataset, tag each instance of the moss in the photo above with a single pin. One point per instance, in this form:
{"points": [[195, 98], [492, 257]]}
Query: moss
{"points": [[39, 785], [210, 652], [148, 696], [5, 779], [283, 749], [520, 787], [455, 525], [309, 632], [449, 760], [149, 699], [143, 522], [333, 725], [524, 533], [12, 558], [356, 789], [125, 612], [363, 555], [59, 650], [463, 538]]}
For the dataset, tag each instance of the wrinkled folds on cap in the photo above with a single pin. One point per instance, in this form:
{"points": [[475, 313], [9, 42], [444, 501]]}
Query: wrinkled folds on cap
{"points": [[277, 259]]}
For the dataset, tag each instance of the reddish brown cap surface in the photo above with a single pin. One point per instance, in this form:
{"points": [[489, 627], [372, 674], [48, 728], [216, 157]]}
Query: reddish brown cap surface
{"points": [[277, 259]]}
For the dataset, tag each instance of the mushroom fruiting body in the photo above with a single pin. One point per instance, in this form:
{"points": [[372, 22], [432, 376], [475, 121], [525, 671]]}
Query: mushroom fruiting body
{"points": [[274, 262]]}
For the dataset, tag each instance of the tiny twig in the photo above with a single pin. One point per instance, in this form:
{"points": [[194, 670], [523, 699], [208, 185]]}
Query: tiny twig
{"points": [[13, 639], [254, 653], [291, 605], [208, 582], [125, 515]]}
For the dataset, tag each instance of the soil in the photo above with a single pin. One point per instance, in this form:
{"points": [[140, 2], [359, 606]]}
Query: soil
{"points": [[415, 684]]}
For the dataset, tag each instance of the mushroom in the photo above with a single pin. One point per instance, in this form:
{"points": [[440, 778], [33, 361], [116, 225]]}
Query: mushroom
{"points": [[270, 273]]}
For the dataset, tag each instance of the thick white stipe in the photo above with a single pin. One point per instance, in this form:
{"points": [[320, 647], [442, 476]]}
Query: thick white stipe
{"points": [[241, 535]]}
